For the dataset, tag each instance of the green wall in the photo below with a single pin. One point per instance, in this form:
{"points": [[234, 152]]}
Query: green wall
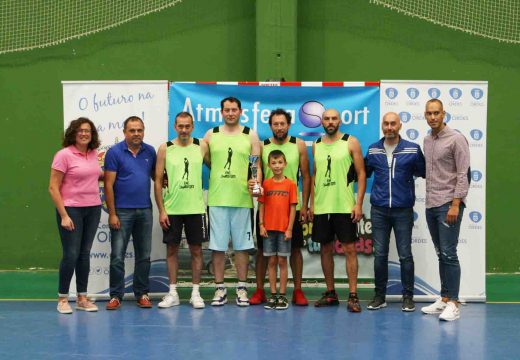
{"points": [[353, 40], [215, 40], [194, 40]]}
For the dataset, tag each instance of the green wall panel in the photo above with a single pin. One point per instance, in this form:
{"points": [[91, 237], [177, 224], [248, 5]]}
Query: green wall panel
{"points": [[215, 40], [353, 40], [195, 40]]}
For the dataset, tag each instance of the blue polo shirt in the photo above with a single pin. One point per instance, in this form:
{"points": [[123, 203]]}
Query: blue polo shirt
{"points": [[132, 184]]}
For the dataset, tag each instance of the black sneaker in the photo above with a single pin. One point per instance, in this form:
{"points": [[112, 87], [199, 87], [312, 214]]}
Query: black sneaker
{"points": [[282, 303], [408, 304], [376, 304], [328, 298], [271, 303]]}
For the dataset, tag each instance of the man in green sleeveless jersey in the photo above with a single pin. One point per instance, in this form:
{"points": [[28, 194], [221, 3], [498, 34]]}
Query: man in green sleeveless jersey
{"points": [[338, 161], [229, 201], [295, 152], [182, 204]]}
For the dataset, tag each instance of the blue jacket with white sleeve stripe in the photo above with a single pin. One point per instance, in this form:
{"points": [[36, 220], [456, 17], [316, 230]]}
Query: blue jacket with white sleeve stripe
{"points": [[394, 185]]}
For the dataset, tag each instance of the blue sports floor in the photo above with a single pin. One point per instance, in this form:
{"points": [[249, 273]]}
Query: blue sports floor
{"points": [[35, 330]]}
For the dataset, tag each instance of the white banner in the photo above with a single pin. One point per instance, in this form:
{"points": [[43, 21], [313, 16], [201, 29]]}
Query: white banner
{"points": [[465, 103], [108, 104]]}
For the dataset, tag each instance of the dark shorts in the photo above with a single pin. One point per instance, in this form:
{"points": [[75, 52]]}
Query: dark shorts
{"points": [[195, 229], [326, 226], [297, 233]]}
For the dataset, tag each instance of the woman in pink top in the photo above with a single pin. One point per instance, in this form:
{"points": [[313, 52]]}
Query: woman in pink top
{"points": [[74, 189]]}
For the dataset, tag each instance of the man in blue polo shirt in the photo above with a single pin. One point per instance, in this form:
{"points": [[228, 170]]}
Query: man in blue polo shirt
{"points": [[129, 166]]}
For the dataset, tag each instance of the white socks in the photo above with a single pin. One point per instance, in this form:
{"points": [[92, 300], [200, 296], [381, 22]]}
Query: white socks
{"points": [[173, 288]]}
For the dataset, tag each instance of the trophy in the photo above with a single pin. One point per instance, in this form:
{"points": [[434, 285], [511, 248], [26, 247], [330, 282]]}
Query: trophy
{"points": [[254, 172]]}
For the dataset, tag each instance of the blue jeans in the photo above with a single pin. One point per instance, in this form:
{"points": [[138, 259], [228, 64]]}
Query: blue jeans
{"points": [[383, 221], [445, 238], [76, 245], [275, 244], [138, 224]]}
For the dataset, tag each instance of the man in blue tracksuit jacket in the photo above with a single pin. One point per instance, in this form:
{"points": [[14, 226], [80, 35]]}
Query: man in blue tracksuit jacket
{"points": [[394, 163]]}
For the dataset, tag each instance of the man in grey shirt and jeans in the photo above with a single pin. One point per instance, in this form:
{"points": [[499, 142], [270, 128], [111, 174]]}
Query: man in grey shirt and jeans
{"points": [[447, 183]]}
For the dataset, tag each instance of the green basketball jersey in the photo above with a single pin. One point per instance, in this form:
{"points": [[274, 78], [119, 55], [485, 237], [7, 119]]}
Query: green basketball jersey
{"points": [[229, 169], [334, 183], [292, 155], [184, 169]]}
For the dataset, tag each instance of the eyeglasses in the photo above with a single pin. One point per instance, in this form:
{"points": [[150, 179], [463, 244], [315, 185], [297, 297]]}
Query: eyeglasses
{"points": [[83, 131]]}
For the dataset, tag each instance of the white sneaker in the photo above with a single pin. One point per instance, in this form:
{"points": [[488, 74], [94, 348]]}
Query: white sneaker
{"points": [[171, 299], [86, 305], [450, 313], [436, 308], [220, 297], [242, 299], [64, 307], [196, 301]]}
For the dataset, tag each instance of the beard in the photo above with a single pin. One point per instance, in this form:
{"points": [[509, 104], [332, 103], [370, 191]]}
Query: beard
{"points": [[281, 137], [390, 135], [331, 131]]}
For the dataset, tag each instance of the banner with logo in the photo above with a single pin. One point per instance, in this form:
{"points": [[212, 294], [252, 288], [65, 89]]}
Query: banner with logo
{"points": [[357, 103], [108, 104], [465, 103]]}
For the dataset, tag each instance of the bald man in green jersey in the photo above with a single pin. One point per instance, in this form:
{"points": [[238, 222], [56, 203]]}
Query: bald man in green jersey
{"points": [[229, 201], [182, 204], [335, 210]]}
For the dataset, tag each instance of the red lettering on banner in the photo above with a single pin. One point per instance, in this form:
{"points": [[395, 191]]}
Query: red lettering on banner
{"points": [[253, 83], [291, 83], [333, 83]]}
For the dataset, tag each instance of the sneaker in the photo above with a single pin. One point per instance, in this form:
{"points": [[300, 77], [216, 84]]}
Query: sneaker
{"points": [[451, 312], [196, 301], [378, 303], [271, 303], [144, 302], [282, 303], [86, 305], [298, 298], [258, 297], [328, 298], [64, 307], [113, 304], [353, 303], [436, 308], [220, 297], [171, 299], [408, 304], [242, 299]]}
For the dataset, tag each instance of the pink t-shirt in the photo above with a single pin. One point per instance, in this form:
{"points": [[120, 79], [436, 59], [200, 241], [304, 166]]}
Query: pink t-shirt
{"points": [[80, 183]]}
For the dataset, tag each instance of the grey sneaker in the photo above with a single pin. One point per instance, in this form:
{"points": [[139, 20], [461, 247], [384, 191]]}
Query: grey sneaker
{"points": [[376, 304], [271, 302], [282, 303], [408, 304]]}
